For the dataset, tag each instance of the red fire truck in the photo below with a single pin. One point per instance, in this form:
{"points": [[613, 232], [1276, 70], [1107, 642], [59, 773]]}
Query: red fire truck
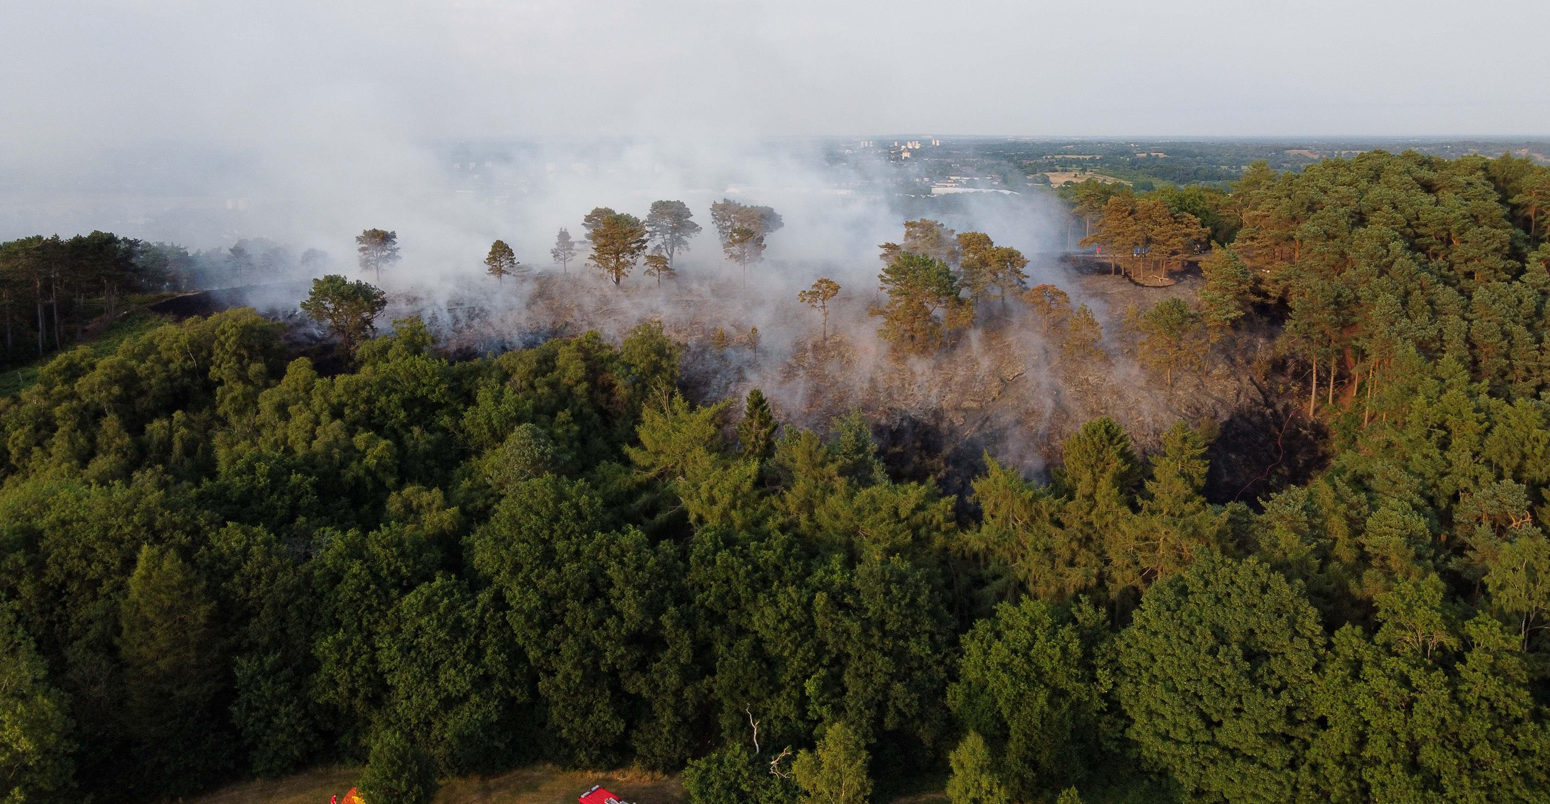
{"points": [[597, 795]]}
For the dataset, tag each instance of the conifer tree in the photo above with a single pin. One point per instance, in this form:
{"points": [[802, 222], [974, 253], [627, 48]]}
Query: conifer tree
{"points": [[658, 266], [990, 270], [501, 261], [1170, 339], [618, 241], [169, 645], [1226, 295], [756, 432], [564, 249], [742, 229], [669, 226], [818, 297], [377, 248], [923, 309]]}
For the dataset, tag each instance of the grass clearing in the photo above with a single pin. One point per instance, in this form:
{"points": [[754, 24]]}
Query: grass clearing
{"points": [[549, 784], [130, 325], [535, 784], [313, 787]]}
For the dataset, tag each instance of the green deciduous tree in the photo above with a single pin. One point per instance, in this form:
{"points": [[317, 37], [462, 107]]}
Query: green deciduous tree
{"points": [[1030, 683], [348, 309], [35, 749], [398, 772], [599, 616], [1217, 670], [734, 774], [837, 771], [973, 779], [454, 682], [1396, 726]]}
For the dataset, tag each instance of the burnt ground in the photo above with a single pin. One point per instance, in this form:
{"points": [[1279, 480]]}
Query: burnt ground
{"points": [[1262, 442], [208, 302]]}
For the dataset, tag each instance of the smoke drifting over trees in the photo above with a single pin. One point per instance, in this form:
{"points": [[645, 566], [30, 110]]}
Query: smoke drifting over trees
{"points": [[1002, 375]]}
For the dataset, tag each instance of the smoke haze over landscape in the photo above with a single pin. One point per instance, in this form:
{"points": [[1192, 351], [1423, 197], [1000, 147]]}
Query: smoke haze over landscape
{"points": [[456, 125], [321, 120]]}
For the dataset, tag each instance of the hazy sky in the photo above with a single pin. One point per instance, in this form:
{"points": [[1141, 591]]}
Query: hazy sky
{"points": [[83, 74], [208, 120]]}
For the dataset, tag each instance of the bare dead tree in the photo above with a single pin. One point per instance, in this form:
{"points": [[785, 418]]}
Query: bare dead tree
{"points": [[775, 764], [755, 725]]}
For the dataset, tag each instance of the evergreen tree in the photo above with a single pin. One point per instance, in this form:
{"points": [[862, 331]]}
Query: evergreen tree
{"points": [[1170, 339], [756, 433], [923, 309], [377, 249], [1225, 297], [501, 261], [742, 229], [658, 266], [669, 226], [618, 240], [564, 249], [927, 238], [169, 645], [818, 297], [987, 267]]}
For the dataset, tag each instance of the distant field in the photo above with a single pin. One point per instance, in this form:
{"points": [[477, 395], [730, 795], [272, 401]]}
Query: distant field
{"points": [[1059, 177]]}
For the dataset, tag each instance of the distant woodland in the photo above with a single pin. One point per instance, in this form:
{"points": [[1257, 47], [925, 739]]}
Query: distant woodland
{"points": [[225, 555]]}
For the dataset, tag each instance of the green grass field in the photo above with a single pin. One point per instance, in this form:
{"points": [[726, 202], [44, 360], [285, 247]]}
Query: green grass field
{"points": [[536, 784], [15, 380]]}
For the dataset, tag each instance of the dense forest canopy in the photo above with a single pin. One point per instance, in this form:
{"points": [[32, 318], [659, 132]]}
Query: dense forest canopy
{"points": [[223, 559]]}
